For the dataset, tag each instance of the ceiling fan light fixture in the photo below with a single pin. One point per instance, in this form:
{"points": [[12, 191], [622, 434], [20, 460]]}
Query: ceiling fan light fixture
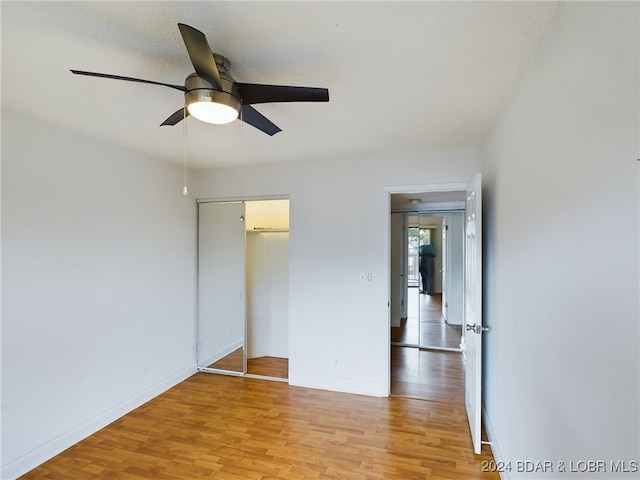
{"points": [[211, 106], [211, 112]]}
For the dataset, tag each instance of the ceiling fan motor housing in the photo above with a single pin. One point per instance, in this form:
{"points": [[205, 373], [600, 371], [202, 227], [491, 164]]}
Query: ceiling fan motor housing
{"points": [[200, 90]]}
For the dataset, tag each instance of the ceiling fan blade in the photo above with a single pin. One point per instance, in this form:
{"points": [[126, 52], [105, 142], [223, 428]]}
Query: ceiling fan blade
{"points": [[254, 118], [177, 117], [200, 54], [128, 79], [251, 93]]}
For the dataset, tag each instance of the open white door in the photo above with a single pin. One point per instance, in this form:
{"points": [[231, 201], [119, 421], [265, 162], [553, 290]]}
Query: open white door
{"points": [[472, 346]]}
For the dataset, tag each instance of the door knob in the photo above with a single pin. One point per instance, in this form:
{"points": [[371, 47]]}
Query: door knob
{"points": [[477, 328]]}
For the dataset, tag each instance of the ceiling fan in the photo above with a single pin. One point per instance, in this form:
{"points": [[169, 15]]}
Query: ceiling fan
{"points": [[213, 96]]}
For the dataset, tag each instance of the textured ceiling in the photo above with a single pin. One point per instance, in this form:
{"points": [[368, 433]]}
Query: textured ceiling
{"points": [[402, 76]]}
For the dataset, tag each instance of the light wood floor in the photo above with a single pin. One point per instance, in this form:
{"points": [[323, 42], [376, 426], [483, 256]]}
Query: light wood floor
{"points": [[224, 427], [269, 367], [422, 373], [426, 374], [265, 366], [425, 325]]}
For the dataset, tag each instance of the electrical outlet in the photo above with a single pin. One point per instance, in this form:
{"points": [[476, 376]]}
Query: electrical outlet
{"points": [[336, 361], [363, 276]]}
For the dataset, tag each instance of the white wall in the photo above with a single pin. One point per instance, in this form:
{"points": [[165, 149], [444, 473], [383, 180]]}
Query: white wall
{"points": [[268, 294], [339, 220], [98, 282], [398, 269], [267, 262], [455, 278], [562, 361]]}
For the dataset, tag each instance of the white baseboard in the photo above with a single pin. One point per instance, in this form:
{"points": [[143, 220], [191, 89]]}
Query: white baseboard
{"points": [[337, 384], [495, 449], [36, 457]]}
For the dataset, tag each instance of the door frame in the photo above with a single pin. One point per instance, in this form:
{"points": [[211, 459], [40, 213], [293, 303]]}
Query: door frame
{"points": [[408, 189], [233, 199], [430, 188]]}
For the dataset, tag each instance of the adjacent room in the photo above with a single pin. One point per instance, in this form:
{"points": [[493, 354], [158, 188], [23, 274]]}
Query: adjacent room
{"points": [[185, 298]]}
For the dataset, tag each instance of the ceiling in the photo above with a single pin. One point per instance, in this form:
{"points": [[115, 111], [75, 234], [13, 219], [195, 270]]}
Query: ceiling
{"points": [[402, 76]]}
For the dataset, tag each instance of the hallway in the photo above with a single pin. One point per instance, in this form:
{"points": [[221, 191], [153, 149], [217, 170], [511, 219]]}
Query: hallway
{"points": [[427, 372], [425, 326]]}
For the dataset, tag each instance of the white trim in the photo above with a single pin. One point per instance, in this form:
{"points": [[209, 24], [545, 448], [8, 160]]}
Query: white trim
{"points": [[266, 377], [41, 454], [429, 187], [495, 449], [243, 198], [431, 207], [419, 188], [221, 371], [386, 388], [338, 384]]}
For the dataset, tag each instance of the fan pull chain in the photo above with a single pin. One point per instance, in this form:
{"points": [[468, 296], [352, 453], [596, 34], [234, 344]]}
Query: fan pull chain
{"points": [[185, 190]]}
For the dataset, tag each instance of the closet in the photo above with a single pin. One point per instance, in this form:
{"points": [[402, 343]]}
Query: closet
{"points": [[243, 287]]}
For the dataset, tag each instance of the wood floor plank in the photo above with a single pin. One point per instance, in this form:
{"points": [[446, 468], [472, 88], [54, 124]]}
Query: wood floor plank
{"points": [[269, 366], [432, 375], [225, 427], [425, 325]]}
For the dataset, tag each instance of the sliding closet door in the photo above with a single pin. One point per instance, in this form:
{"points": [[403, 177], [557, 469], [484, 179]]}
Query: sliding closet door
{"points": [[221, 287]]}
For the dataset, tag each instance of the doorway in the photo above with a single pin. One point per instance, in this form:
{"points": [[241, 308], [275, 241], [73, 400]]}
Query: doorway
{"points": [[243, 287], [427, 313], [430, 277]]}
